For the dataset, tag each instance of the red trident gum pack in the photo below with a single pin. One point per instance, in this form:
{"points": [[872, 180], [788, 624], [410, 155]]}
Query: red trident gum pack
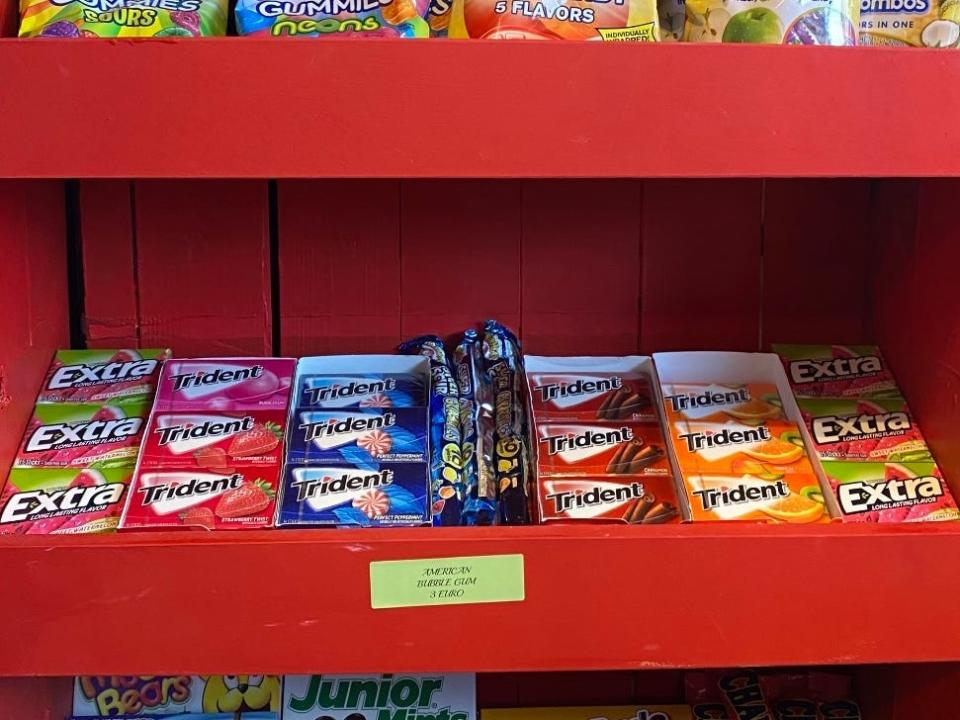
{"points": [[220, 441], [578, 449], [569, 389], [99, 375], [233, 499], [648, 500], [225, 384]]}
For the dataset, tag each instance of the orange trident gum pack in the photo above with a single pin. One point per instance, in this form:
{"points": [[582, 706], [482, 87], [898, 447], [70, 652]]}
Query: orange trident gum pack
{"points": [[732, 425]]}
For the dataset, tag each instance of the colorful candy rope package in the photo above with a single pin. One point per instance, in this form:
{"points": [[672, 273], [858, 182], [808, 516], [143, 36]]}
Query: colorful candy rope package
{"points": [[464, 369], [122, 18], [480, 501], [445, 443], [333, 18]]}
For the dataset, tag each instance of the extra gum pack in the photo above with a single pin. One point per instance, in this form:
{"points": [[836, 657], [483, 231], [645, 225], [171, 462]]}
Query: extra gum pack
{"points": [[81, 376]]}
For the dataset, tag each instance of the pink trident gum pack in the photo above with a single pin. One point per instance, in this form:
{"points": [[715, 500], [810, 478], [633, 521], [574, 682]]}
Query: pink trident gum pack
{"points": [[101, 375], [79, 435], [225, 384]]}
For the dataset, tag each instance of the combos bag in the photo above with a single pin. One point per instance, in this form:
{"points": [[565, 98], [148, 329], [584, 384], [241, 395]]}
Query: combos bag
{"points": [[122, 18], [611, 20], [787, 22], [334, 18], [910, 23]]}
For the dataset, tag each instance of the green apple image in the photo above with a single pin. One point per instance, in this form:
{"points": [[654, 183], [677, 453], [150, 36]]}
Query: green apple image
{"points": [[757, 25]]}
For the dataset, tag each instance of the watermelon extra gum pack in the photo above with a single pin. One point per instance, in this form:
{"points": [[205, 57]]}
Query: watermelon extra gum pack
{"points": [[101, 375], [122, 18], [616, 21], [78, 435], [333, 18], [47, 501], [787, 22]]}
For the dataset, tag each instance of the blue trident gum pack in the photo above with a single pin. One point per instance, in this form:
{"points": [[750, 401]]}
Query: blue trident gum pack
{"points": [[369, 390], [357, 437], [368, 496]]}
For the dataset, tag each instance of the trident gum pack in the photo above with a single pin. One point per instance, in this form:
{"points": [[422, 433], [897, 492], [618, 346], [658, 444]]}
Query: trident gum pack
{"points": [[80, 376], [225, 384], [356, 437], [214, 439], [371, 390], [837, 371], [864, 429], [249, 697], [591, 449], [79, 435], [591, 396], [733, 426], [372, 496], [619, 712], [227, 499], [45, 501], [384, 696]]}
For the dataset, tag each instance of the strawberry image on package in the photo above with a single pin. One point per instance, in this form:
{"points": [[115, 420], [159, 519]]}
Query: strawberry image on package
{"points": [[225, 384], [99, 375], [62, 501], [77, 435], [237, 498], [216, 440]]}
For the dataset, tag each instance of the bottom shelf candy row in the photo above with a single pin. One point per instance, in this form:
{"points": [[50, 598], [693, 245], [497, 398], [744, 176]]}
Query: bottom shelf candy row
{"points": [[742, 694], [470, 433]]}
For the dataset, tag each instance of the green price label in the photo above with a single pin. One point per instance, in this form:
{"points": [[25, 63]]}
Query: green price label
{"points": [[446, 581]]}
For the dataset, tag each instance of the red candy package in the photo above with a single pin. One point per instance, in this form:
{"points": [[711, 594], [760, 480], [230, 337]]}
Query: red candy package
{"points": [[101, 375], [738, 691], [584, 448], [219, 441]]}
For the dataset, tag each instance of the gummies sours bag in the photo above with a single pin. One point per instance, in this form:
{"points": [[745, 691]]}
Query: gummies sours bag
{"points": [[122, 18], [606, 20], [787, 22]]}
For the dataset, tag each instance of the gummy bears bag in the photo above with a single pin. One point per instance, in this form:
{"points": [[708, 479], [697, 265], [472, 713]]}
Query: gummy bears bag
{"points": [[615, 20], [790, 22], [333, 18], [122, 18]]}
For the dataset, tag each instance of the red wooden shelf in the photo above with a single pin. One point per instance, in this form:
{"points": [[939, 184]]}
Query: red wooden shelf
{"points": [[295, 601], [252, 108]]}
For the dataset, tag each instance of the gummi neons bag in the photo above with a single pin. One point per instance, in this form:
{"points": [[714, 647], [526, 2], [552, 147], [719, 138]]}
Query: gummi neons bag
{"points": [[334, 18], [618, 20], [787, 22], [122, 18]]}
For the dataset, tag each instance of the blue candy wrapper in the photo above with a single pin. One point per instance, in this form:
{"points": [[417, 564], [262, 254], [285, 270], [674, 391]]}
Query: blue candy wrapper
{"points": [[477, 433], [446, 478], [357, 437], [368, 390], [368, 496]]}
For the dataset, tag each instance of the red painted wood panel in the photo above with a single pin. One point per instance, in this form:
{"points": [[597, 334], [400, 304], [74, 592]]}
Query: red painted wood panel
{"points": [[817, 261], [34, 320], [339, 254], [111, 299], [700, 287], [580, 266], [576, 688], [460, 255], [203, 251], [917, 307], [35, 698], [9, 18]]}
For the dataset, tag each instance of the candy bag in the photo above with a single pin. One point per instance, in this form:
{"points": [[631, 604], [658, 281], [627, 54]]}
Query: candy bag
{"points": [[618, 21], [910, 23], [445, 477], [787, 22], [122, 18], [480, 497], [504, 368], [333, 18]]}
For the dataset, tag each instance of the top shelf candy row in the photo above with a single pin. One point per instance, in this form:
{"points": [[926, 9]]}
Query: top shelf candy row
{"points": [[479, 435], [896, 23]]}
